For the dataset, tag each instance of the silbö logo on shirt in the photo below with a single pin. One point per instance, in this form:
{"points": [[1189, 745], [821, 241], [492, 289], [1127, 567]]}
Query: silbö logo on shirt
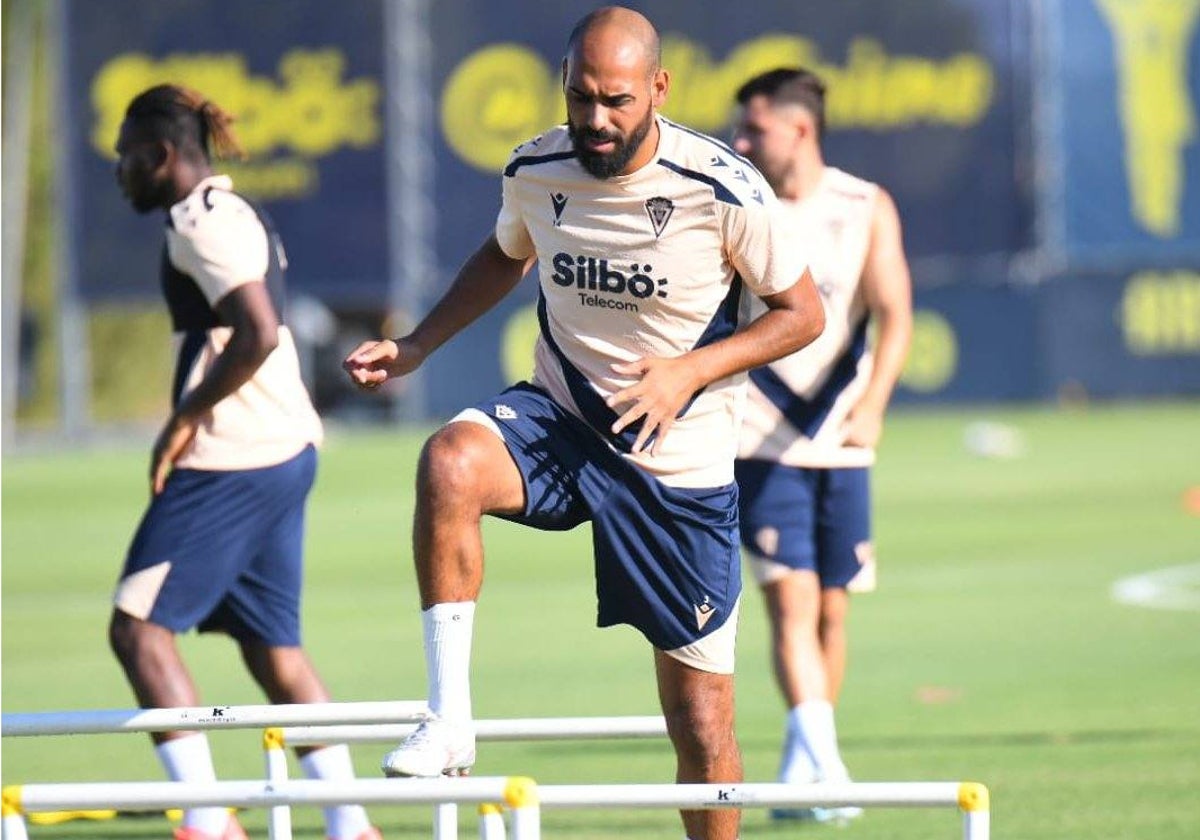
{"points": [[606, 287]]}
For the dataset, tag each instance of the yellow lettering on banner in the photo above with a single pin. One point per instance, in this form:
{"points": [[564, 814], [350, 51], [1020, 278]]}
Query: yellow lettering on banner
{"points": [[504, 94], [310, 112], [1153, 40], [932, 355], [1160, 313], [498, 98], [288, 178]]}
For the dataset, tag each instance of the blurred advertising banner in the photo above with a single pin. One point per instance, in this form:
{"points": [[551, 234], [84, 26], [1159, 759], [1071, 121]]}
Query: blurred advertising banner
{"points": [[923, 99], [1127, 94], [1080, 335], [305, 81], [1122, 335], [972, 342]]}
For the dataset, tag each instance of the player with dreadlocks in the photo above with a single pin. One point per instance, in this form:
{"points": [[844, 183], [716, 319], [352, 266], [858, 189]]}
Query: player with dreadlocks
{"points": [[220, 546]]}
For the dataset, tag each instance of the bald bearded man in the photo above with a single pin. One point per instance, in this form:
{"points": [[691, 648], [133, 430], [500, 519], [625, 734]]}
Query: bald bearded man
{"points": [[645, 234]]}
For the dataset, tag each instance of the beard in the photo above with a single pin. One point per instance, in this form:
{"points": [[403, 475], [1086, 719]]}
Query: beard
{"points": [[144, 203], [146, 194], [607, 164]]}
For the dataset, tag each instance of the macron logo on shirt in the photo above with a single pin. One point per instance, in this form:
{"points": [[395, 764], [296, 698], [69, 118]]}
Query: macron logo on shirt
{"points": [[559, 201]]}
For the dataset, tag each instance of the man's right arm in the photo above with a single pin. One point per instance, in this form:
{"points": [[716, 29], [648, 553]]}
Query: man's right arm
{"points": [[887, 289], [485, 278]]}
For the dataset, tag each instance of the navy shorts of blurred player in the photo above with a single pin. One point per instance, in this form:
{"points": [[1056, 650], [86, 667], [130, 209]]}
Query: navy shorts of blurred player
{"points": [[805, 519], [666, 558], [223, 550]]}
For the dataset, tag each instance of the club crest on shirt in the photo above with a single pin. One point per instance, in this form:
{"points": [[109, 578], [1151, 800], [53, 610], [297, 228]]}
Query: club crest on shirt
{"points": [[659, 210], [560, 202]]}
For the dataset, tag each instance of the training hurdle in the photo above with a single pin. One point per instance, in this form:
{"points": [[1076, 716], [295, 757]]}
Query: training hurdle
{"points": [[302, 724], [107, 721], [970, 798], [503, 729], [516, 792], [323, 723], [445, 816]]}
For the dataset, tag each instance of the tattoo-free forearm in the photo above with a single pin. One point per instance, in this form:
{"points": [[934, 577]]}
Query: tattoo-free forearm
{"points": [[483, 281], [794, 319], [244, 354], [892, 339]]}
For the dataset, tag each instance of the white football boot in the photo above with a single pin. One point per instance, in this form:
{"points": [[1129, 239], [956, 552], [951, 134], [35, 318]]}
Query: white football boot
{"points": [[436, 748]]}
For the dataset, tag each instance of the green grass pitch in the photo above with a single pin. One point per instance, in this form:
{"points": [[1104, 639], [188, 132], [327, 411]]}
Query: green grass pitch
{"points": [[992, 651]]}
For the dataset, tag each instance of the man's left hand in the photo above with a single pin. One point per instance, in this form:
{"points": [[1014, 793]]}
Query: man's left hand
{"points": [[172, 440], [863, 427], [664, 386]]}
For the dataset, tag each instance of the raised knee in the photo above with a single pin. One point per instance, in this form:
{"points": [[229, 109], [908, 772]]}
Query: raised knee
{"points": [[451, 462]]}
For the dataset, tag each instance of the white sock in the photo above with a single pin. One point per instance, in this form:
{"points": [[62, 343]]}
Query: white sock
{"points": [[448, 629], [796, 766], [815, 727], [342, 822], [188, 759]]}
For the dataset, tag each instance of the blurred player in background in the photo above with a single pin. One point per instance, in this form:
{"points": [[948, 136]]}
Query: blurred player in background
{"points": [[220, 547], [644, 233], [814, 417]]}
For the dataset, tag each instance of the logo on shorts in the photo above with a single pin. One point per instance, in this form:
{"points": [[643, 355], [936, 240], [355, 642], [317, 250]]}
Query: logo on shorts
{"points": [[864, 578], [704, 611], [503, 412]]}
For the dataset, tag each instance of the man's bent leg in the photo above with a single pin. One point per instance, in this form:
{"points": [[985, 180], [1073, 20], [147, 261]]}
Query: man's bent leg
{"points": [[794, 606], [810, 753], [698, 706], [151, 661], [287, 675], [465, 472], [835, 606], [150, 658]]}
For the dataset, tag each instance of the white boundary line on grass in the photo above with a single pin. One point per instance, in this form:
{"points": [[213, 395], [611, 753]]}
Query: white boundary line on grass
{"points": [[1174, 588]]}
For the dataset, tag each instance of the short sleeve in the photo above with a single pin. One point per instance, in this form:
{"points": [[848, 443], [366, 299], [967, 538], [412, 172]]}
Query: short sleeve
{"points": [[759, 246], [221, 247], [511, 232]]}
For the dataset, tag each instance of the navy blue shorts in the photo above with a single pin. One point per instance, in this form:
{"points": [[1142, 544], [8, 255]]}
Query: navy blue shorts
{"points": [[814, 519], [223, 550], [666, 558]]}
